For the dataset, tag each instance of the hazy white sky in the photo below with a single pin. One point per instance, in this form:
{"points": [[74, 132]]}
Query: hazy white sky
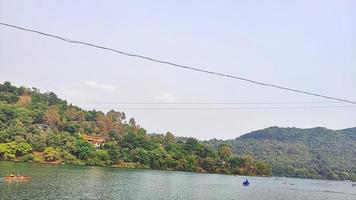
{"points": [[308, 45]]}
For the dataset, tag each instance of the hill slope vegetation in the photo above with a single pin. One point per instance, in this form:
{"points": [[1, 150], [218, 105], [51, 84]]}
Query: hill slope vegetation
{"points": [[40, 127], [306, 153]]}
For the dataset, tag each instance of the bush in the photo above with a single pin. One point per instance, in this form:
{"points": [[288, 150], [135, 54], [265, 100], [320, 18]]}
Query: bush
{"points": [[23, 148], [37, 158], [84, 150], [94, 161], [9, 150], [103, 156], [6, 152], [70, 159], [50, 154], [130, 165], [27, 158]]}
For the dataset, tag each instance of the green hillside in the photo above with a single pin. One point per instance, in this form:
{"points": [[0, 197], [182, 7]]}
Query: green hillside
{"points": [[306, 153], [40, 127]]}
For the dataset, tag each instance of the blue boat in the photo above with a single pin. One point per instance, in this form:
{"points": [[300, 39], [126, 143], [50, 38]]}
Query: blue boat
{"points": [[246, 183]]}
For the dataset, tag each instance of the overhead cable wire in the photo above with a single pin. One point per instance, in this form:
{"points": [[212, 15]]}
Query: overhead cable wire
{"points": [[200, 103], [177, 65], [217, 108]]}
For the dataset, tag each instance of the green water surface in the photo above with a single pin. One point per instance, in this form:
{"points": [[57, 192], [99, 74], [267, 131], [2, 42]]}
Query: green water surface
{"points": [[83, 182]]}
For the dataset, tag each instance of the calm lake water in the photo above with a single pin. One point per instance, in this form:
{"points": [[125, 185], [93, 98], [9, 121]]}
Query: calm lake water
{"points": [[82, 182]]}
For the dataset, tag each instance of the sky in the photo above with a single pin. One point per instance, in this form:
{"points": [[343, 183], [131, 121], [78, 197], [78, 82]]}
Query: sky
{"points": [[307, 45]]}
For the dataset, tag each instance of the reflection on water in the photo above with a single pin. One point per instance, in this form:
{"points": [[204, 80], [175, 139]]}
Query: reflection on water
{"points": [[77, 182]]}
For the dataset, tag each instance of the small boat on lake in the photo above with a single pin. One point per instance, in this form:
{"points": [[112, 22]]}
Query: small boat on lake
{"points": [[17, 178], [246, 183]]}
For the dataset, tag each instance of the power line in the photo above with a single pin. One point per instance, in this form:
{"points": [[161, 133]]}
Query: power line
{"points": [[200, 103], [217, 108], [177, 65]]}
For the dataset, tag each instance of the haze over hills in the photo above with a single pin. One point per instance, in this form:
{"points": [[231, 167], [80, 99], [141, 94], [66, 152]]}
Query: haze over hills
{"points": [[307, 153]]}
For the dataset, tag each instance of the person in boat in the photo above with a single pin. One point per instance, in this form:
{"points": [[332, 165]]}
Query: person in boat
{"points": [[246, 182]]}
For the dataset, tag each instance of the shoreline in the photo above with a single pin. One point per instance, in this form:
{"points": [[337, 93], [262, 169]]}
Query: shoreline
{"points": [[117, 167], [167, 170]]}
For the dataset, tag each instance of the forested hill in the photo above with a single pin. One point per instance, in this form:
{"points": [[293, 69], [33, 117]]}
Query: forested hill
{"points": [[40, 127], [306, 153]]}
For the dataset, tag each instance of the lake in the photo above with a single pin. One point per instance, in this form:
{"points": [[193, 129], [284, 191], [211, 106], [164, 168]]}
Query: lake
{"points": [[84, 182]]}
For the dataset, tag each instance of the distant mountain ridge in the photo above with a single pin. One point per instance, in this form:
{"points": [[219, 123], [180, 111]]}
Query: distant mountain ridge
{"points": [[280, 133], [307, 153]]}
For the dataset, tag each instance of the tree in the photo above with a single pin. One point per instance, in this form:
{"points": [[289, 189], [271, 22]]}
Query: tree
{"points": [[37, 141], [123, 116], [115, 116], [74, 114], [24, 116], [192, 145], [132, 122], [157, 159], [103, 156], [206, 152], [224, 152], [7, 87], [8, 93], [133, 141], [23, 148], [113, 151], [209, 164], [24, 100], [51, 116], [15, 128], [84, 150], [8, 150], [70, 127], [141, 155], [7, 114], [51, 154], [52, 98], [91, 115], [236, 162], [192, 162], [106, 124], [262, 168], [169, 138]]}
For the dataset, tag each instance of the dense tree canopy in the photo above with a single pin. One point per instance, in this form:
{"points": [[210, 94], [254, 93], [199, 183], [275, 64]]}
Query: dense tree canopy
{"points": [[305, 153], [41, 127]]}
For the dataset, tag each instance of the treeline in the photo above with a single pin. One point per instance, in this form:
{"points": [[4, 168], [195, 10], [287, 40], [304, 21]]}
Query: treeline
{"points": [[40, 127], [317, 153]]}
